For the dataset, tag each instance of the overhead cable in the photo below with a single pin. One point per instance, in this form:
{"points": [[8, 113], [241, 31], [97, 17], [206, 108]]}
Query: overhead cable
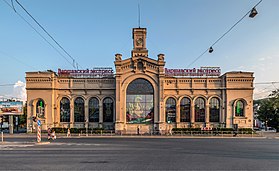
{"points": [[210, 49], [73, 63]]}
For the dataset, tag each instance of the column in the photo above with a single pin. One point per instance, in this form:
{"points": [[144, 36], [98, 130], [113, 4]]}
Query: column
{"points": [[86, 115], [192, 115], [29, 114], [119, 114], [177, 113], [162, 114], [207, 124], [72, 114], [11, 124], [100, 115]]}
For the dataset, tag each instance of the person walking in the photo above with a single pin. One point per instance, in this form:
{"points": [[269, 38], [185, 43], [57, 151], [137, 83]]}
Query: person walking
{"points": [[68, 132], [53, 136], [48, 133]]}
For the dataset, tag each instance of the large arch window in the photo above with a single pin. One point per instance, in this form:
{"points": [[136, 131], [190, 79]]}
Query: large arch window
{"points": [[185, 108], [239, 108], [139, 102], [214, 110], [79, 110], [40, 108], [170, 110], [65, 110], [199, 110], [108, 109], [93, 107]]}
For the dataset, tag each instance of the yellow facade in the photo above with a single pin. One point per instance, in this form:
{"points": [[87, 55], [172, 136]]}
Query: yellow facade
{"points": [[170, 102]]}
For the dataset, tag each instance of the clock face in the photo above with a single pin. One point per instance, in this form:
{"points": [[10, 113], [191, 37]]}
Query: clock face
{"points": [[139, 41]]}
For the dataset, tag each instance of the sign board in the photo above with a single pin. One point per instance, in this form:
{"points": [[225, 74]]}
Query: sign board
{"points": [[202, 72], [39, 122], [99, 72], [11, 108]]}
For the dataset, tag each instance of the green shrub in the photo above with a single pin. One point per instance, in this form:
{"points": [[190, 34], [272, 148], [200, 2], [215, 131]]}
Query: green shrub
{"points": [[59, 130], [245, 131], [199, 131]]}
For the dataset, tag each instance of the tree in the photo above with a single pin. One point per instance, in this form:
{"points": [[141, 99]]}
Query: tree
{"points": [[269, 110], [22, 118]]}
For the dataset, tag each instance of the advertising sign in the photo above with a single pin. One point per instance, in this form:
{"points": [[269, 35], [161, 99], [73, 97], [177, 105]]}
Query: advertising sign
{"points": [[99, 72], [202, 72], [11, 108]]}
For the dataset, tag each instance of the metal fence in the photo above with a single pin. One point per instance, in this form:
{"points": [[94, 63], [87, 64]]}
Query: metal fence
{"points": [[171, 133]]}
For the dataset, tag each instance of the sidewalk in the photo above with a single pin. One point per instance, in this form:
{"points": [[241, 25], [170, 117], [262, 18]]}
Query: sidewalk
{"points": [[44, 135]]}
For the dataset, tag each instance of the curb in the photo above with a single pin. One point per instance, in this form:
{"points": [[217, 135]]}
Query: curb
{"points": [[42, 143]]}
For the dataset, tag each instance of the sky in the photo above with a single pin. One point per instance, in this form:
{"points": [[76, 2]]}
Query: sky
{"points": [[93, 31]]}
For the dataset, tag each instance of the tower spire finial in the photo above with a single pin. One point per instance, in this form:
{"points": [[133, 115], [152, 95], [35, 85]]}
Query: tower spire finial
{"points": [[139, 13]]}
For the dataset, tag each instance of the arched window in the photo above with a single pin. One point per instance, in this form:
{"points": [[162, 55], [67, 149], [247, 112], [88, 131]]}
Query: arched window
{"points": [[185, 106], [170, 110], [93, 107], [214, 110], [199, 110], [40, 108], [65, 110], [108, 110], [139, 102], [79, 110], [239, 108]]}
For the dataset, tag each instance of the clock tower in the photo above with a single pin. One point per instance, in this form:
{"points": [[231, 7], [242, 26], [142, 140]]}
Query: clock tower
{"points": [[139, 43]]}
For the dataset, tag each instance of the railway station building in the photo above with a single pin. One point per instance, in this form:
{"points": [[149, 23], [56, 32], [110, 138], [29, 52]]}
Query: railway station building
{"points": [[140, 93]]}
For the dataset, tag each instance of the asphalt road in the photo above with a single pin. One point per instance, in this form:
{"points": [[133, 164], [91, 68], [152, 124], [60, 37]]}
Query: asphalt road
{"points": [[141, 154]]}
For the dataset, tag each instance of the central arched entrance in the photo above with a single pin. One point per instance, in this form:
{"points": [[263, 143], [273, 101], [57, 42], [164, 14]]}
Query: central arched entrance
{"points": [[140, 102]]}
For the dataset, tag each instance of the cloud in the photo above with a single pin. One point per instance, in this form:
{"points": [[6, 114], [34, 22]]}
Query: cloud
{"points": [[241, 67], [20, 90], [261, 59]]}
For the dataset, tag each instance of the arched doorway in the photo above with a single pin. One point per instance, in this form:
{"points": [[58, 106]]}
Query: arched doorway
{"points": [[108, 109], [199, 110], [93, 109], [170, 110], [40, 108], [65, 110], [79, 110], [140, 102]]}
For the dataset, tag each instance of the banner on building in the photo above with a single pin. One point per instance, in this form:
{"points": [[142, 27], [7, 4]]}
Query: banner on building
{"points": [[99, 72], [202, 72]]}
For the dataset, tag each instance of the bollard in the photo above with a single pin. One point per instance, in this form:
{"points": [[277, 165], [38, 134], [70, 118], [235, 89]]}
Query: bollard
{"points": [[2, 135]]}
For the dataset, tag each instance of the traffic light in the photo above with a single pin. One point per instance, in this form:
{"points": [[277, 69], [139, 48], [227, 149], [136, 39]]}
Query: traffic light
{"points": [[34, 118]]}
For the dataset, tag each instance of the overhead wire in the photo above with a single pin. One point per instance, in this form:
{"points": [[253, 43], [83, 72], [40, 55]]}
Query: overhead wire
{"points": [[271, 82], [222, 35], [8, 55], [39, 34], [46, 32], [4, 85], [71, 63]]}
